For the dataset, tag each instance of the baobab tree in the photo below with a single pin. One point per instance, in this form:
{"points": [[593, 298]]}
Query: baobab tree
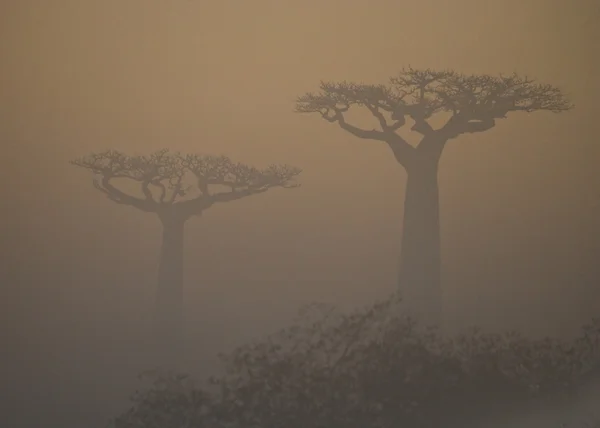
{"points": [[176, 187], [464, 104]]}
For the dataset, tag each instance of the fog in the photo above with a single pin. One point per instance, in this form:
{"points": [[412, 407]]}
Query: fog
{"points": [[519, 203]]}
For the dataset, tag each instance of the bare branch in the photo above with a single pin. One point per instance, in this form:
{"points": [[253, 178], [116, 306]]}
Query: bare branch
{"points": [[361, 133], [211, 170], [278, 176], [169, 172], [482, 96], [337, 98], [474, 100], [253, 182], [146, 191], [163, 190], [417, 82], [234, 196], [159, 169], [458, 125], [177, 187], [110, 165], [120, 197]]}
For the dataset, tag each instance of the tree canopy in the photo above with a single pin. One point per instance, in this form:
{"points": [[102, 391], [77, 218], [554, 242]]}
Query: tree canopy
{"points": [[370, 369], [168, 179], [474, 103]]}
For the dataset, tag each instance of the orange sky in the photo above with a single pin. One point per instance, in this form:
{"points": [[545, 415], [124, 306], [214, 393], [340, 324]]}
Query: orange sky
{"points": [[519, 203]]}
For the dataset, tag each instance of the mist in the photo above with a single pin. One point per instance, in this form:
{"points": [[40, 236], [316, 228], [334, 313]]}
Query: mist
{"points": [[520, 204]]}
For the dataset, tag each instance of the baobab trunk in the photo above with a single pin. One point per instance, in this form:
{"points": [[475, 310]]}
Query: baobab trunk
{"points": [[420, 260], [168, 314]]}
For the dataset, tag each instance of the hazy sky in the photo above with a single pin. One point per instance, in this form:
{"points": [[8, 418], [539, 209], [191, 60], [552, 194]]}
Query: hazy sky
{"points": [[519, 203]]}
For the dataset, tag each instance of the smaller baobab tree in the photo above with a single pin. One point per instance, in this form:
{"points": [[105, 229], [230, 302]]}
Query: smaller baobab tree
{"points": [[461, 104], [176, 187]]}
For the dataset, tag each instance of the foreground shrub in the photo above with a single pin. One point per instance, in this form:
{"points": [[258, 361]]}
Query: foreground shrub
{"points": [[370, 368]]}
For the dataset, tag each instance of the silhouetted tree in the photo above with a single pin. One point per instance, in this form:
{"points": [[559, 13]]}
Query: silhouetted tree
{"points": [[372, 369], [473, 104], [176, 187]]}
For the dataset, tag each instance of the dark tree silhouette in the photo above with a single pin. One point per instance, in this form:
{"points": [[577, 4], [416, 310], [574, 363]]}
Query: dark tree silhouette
{"points": [[473, 103], [371, 369], [176, 187]]}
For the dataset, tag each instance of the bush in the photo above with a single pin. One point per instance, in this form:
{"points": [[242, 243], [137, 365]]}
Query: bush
{"points": [[370, 368]]}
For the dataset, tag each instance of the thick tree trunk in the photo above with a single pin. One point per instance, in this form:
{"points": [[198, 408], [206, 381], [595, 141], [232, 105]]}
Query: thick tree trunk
{"points": [[420, 261], [168, 314]]}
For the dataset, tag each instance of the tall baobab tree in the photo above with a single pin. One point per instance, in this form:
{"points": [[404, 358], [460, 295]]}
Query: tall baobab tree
{"points": [[464, 104], [176, 187]]}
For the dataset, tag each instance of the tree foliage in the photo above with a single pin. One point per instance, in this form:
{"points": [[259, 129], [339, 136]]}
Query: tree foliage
{"points": [[370, 368], [167, 180], [474, 103]]}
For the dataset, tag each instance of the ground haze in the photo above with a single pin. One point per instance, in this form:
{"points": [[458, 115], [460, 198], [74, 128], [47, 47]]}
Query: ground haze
{"points": [[520, 234]]}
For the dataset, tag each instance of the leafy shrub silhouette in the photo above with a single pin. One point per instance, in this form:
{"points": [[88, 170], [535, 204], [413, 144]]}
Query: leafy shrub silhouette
{"points": [[369, 368]]}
